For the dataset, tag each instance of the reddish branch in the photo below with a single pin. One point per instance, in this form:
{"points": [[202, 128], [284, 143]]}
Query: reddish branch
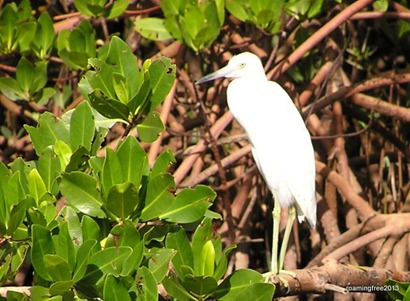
{"points": [[318, 36]]}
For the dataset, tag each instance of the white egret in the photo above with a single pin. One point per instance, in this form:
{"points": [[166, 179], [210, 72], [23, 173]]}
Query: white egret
{"points": [[281, 144]]}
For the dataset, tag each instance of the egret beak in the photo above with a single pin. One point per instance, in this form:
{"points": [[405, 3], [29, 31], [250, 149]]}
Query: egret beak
{"points": [[223, 72]]}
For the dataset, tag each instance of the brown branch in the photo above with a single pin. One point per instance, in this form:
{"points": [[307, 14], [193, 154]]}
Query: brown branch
{"points": [[378, 15], [359, 204], [390, 78], [353, 279], [215, 131], [318, 36], [383, 107]]}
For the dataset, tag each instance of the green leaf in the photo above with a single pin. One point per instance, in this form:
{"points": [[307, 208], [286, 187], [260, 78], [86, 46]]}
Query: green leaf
{"points": [[40, 80], [89, 8], [202, 234], [11, 89], [152, 28], [25, 74], [90, 229], [200, 285], [207, 262], [158, 264], [114, 289], [175, 289], [8, 20], [121, 88], [147, 285], [17, 215], [190, 205], [49, 169], [36, 185], [57, 267], [25, 35], [81, 192], [111, 171], [122, 199], [162, 162], [108, 107], [151, 127], [122, 61], [48, 132], [158, 198], [110, 260], [116, 9], [63, 152], [179, 241], [83, 255], [82, 127], [42, 245], [60, 288], [244, 285], [44, 35], [133, 161], [162, 76]]}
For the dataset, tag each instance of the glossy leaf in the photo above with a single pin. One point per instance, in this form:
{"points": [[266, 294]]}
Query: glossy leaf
{"points": [[63, 152], [111, 172], [158, 198], [83, 255], [17, 215], [133, 161], [176, 290], [82, 126], [162, 74], [245, 285], [202, 234], [190, 205], [11, 89], [116, 9], [42, 245], [114, 289], [81, 192], [36, 185], [57, 267], [122, 199], [90, 229], [121, 88], [200, 285], [108, 107], [151, 127], [44, 35], [152, 28], [147, 285], [49, 169], [158, 264], [122, 61], [178, 241], [48, 132], [25, 74], [109, 260], [60, 288], [207, 262]]}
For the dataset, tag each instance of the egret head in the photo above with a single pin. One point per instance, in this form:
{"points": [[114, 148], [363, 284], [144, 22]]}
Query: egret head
{"points": [[242, 65]]}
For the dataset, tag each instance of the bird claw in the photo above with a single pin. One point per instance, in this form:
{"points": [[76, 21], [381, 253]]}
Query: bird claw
{"points": [[271, 277]]}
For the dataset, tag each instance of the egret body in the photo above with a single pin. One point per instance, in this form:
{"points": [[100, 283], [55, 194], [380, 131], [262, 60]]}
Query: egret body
{"points": [[281, 144]]}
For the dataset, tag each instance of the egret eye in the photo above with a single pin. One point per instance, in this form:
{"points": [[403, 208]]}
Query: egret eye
{"points": [[242, 65]]}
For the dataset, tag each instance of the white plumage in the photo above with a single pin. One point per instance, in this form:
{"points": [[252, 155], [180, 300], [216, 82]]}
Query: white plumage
{"points": [[281, 144]]}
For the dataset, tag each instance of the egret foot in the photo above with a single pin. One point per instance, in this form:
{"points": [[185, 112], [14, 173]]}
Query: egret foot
{"points": [[271, 277]]}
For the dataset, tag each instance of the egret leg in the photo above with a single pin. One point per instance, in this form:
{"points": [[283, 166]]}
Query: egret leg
{"points": [[275, 236], [286, 235]]}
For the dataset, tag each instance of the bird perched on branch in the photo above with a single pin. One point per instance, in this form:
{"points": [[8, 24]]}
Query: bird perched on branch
{"points": [[281, 144]]}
